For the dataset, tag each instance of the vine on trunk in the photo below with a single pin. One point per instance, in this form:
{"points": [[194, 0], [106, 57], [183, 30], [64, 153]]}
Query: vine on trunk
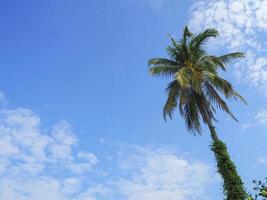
{"points": [[233, 185]]}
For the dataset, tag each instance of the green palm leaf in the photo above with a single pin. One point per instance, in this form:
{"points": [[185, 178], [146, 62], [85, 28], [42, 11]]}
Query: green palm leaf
{"points": [[227, 58], [201, 38], [215, 98], [161, 61], [163, 70], [173, 91], [196, 86]]}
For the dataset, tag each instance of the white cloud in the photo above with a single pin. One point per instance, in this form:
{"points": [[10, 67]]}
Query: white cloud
{"points": [[246, 126], [41, 188], [261, 116], [38, 163], [7, 148], [242, 25], [263, 160], [162, 175], [258, 119], [71, 185], [94, 192], [89, 157]]}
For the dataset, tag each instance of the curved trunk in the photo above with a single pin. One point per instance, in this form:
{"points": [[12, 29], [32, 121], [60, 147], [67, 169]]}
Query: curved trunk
{"points": [[232, 183], [213, 133]]}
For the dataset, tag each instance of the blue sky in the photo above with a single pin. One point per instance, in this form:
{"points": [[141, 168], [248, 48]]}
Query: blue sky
{"points": [[81, 116]]}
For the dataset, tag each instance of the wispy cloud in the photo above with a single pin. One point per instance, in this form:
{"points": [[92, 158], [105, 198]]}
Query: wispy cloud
{"points": [[242, 24], [46, 164], [263, 160], [256, 119], [39, 165], [261, 116]]}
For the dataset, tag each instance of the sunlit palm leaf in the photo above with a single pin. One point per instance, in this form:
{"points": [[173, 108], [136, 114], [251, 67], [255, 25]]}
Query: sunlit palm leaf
{"points": [[163, 70], [196, 86]]}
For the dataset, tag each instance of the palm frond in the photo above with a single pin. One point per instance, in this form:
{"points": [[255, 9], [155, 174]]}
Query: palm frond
{"points": [[161, 61], [195, 79], [227, 58], [185, 51], [175, 51], [212, 61], [215, 98], [196, 85], [224, 87], [205, 107], [206, 66], [183, 76], [190, 111], [237, 96], [163, 70], [202, 37], [173, 91], [196, 54], [208, 60], [187, 32], [219, 61], [192, 117]]}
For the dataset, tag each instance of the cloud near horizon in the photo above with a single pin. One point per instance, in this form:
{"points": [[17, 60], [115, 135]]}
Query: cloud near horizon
{"points": [[46, 164]]}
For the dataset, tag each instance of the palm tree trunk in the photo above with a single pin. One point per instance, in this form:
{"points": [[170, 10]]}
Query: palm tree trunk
{"points": [[232, 183], [213, 133]]}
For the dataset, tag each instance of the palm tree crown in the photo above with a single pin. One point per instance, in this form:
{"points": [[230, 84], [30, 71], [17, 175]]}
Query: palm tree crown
{"points": [[196, 85]]}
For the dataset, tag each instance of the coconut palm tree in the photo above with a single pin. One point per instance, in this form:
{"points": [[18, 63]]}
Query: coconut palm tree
{"points": [[195, 90]]}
